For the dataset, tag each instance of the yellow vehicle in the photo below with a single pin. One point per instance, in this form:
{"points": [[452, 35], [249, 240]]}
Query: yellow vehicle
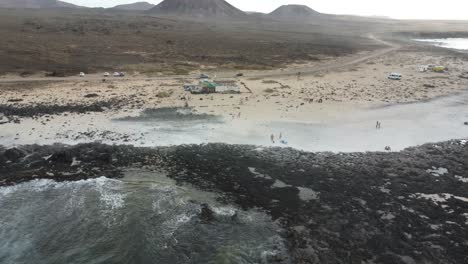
{"points": [[439, 69]]}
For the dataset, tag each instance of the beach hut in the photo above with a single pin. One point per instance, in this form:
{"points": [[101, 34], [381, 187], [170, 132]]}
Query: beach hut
{"points": [[226, 86], [207, 86], [196, 90]]}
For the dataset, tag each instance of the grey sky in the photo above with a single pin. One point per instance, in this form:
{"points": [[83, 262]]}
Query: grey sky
{"points": [[404, 9]]}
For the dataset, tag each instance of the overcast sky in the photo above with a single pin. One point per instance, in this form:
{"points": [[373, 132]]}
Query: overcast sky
{"points": [[403, 9]]}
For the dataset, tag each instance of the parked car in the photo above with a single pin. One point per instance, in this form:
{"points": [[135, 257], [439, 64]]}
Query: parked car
{"points": [[204, 76], [395, 76], [189, 87], [106, 74], [82, 74], [439, 69], [239, 75], [119, 74]]}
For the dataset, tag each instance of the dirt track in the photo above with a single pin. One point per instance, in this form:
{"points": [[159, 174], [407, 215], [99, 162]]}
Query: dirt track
{"points": [[353, 60]]}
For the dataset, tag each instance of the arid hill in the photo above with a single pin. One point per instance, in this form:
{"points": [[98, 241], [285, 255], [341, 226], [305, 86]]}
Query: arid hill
{"points": [[96, 39], [35, 4], [138, 6], [294, 12], [199, 8]]}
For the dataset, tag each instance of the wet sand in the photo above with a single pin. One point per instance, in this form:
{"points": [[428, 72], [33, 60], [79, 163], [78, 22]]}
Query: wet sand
{"points": [[402, 126]]}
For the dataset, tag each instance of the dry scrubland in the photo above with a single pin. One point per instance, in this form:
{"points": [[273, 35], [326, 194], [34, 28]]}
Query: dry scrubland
{"points": [[70, 41], [288, 97]]}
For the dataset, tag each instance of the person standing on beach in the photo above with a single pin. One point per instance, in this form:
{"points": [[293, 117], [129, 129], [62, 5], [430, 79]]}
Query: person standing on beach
{"points": [[272, 137]]}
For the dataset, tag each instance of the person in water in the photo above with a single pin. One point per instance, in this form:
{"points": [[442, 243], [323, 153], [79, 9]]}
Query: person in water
{"points": [[272, 137]]}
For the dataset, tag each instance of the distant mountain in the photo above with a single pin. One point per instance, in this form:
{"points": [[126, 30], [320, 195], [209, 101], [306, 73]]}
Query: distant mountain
{"points": [[254, 13], [294, 12], [35, 4], [138, 6], [197, 8]]}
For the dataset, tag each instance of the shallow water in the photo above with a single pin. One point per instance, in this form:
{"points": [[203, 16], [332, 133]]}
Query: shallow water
{"points": [[451, 43], [403, 125], [144, 218]]}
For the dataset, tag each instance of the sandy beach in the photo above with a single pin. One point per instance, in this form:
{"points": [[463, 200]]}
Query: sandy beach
{"points": [[333, 110]]}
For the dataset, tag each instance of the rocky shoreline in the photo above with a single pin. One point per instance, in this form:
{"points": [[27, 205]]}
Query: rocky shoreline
{"points": [[399, 207], [15, 112]]}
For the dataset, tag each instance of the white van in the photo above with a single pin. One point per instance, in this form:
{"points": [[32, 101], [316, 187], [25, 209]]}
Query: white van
{"points": [[395, 76], [82, 74]]}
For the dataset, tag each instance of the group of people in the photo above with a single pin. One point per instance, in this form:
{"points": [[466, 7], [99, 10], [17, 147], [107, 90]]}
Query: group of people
{"points": [[236, 115], [280, 139], [378, 125]]}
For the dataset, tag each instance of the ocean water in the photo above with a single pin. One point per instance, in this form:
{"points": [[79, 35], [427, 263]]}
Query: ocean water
{"points": [[140, 219], [451, 43]]}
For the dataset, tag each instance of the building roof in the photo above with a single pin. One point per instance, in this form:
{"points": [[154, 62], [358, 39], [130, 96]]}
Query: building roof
{"points": [[225, 81]]}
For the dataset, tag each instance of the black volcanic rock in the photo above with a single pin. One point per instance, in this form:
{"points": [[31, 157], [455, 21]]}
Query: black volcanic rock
{"points": [[199, 8], [14, 154], [294, 12], [35, 4], [374, 207], [138, 6]]}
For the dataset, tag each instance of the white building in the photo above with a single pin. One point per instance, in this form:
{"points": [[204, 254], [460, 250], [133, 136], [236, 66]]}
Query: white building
{"points": [[227, 86]]}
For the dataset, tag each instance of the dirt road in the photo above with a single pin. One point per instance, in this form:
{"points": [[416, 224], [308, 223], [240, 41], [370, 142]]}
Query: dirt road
{"points": [[353, 60]]}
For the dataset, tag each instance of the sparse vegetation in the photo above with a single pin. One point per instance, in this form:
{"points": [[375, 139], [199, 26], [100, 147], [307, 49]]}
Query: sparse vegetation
{"points": [[269, 81], [163, 94]]}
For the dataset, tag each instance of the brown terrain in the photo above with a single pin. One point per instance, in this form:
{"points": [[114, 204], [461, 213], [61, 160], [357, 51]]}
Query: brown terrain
{"points": [[172, 38], [200, 8], [294, 11]]}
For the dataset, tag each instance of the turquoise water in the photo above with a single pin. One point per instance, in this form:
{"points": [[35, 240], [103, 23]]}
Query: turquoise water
{"points": [[451, 43]]}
